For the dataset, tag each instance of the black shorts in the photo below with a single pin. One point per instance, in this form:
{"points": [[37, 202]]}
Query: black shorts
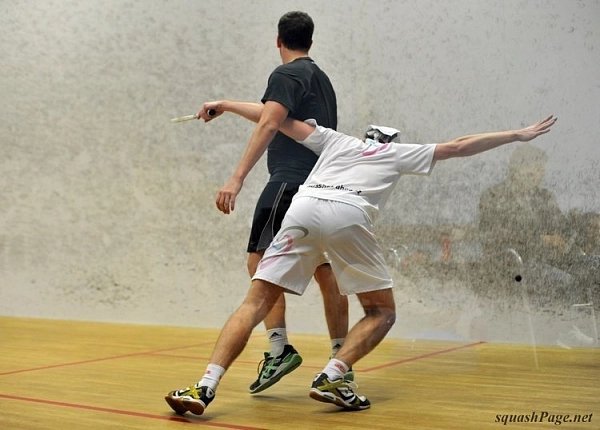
{"points": [[271, 207]]}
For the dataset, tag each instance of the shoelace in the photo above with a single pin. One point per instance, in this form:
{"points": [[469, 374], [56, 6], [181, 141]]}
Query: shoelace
{"points": [[341, 382], [191, 391], [265, 363], [350, 384], [353, 385]]}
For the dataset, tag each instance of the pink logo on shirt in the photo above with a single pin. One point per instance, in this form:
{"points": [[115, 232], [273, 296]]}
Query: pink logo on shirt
{"points": [[376, 150]]}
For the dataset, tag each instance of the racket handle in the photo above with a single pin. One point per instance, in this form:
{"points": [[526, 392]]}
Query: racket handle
{"points": [[184, 118], [211, 112]]}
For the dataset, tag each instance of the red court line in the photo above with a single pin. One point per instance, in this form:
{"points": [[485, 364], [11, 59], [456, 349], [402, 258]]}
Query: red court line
{"points": [[359, 369], [175, 418], [114, 357], [185, 420], [94, 360], [421, 357]]}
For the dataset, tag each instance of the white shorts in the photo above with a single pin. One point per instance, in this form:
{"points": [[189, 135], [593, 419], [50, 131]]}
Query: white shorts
{"points": [[313, 227]]}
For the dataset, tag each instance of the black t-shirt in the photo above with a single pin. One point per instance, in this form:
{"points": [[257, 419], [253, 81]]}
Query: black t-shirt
{"points": [[305, 90]]}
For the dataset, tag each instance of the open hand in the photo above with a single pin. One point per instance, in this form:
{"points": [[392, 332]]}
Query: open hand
{"points": [[529, 133]]}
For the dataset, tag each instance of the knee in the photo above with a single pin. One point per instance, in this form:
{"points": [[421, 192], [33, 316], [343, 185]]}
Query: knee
{"points": [[262, 297], [389, 317], [385, 316]]}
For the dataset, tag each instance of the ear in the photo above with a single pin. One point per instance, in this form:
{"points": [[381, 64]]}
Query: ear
{"points": [[278, 42]]}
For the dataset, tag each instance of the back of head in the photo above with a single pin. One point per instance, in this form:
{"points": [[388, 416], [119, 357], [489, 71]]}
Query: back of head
{"points": [[295, 30], [381, 134]]}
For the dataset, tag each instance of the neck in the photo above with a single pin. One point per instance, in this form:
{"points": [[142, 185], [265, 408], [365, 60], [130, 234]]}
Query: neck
{"points": [[287, 55]]}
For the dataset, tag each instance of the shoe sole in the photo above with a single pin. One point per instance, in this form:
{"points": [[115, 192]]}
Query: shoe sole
{"points": [[176, 404], [326, 397], [277, 377], [197, 408]]}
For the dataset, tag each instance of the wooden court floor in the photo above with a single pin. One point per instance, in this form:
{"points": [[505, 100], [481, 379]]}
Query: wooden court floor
{"points": [[82, 375]]}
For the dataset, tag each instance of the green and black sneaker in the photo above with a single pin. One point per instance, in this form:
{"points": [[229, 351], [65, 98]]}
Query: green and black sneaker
{"points": [[275, 368], [194, 399], [339, 392]]}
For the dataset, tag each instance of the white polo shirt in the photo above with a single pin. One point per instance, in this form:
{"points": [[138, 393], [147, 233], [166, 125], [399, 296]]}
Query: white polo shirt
{"points": [[360, 173]]}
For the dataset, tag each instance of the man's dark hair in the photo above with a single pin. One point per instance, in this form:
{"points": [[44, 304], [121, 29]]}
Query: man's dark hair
{"points": [[295, 30]]}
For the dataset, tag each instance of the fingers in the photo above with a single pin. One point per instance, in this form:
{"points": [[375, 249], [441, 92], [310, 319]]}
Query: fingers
{"points": [[544, 125], [547, 123], [209, 111], [201, 115], [204, 115], [225, 201], [537, 129], [227, 194], [222, 203]]}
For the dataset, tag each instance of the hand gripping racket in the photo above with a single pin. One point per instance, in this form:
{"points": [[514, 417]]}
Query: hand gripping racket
{"points": [[211, 112]]}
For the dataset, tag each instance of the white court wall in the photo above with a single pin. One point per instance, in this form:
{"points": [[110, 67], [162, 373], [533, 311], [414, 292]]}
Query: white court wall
{"points": [[107, 209]]}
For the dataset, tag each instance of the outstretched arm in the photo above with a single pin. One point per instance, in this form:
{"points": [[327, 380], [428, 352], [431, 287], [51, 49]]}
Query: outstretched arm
{"points": [[477, 143], [293, 128], [249, 110]]}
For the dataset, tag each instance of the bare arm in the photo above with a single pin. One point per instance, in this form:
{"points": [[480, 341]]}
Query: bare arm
{"points": [[474, 144], [249, 110], [270, 120], [293, 128]]}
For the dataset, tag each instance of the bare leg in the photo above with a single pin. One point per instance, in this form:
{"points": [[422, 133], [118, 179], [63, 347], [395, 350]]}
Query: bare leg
{"points": [[380, 315], [331, 386], [235, 333], [231, 342], [276, 317], [336, 305]]}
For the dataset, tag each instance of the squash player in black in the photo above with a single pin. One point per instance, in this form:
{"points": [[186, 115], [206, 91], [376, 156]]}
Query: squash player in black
{"points": [[299, 89]]}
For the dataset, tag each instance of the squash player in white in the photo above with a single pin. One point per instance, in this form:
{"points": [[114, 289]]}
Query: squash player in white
{"points": [[333, 212]]}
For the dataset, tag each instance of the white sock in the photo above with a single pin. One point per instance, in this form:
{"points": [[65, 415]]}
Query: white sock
{"points": [[336, 344], [278, 340], [335, 369], [212, 376]]}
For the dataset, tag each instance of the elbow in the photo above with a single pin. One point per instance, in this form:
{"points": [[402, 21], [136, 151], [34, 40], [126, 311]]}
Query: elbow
{"points": [[391, 319], [268, 126], [460, 147], [447, 150], [388, 320]]}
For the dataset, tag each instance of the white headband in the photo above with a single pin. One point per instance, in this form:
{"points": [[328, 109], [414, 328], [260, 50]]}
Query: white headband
{"points": [[388, 131]]}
